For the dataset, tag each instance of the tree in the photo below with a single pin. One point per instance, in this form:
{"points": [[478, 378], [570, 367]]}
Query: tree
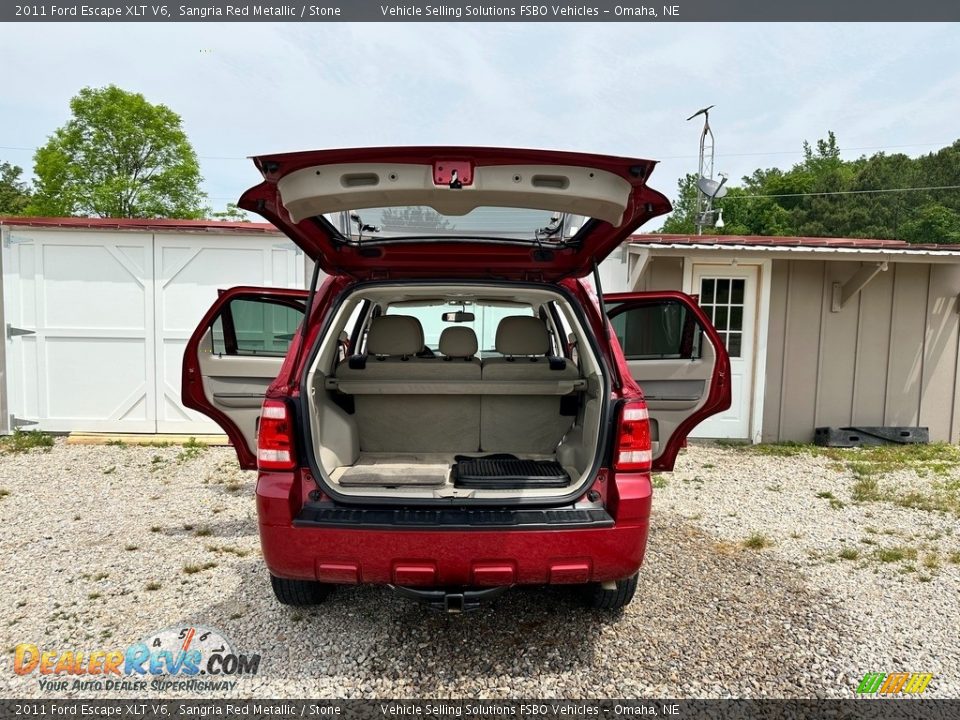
{"points": [[826, 196], [232, 214], [14, 193], [118, 156], [683, 220], [415, 219]]}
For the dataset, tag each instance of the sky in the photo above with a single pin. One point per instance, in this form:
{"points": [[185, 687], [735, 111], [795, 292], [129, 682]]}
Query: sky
{"points": [[243, 88]]}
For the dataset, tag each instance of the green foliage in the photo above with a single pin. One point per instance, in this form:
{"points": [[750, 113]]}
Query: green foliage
{"points": [[797, 201], [24, 440], [118, 156], [230, 214], [14, 192]]}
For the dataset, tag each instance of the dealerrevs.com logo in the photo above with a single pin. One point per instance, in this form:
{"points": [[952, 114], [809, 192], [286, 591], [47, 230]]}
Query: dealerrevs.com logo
{"points": [[192, 658]]}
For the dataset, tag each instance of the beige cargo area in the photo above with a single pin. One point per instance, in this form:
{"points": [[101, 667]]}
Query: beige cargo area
{"points": [[388, 421]]}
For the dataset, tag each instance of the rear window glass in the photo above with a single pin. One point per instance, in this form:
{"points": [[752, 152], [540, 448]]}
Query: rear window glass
{"points": [[494, 222]]}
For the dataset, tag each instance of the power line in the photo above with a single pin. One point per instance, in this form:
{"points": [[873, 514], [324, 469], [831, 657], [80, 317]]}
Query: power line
{"points": [[844, 192], [800, 152]]}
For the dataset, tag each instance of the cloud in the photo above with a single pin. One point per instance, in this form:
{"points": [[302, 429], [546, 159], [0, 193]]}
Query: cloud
{"points": [[624, 88]]}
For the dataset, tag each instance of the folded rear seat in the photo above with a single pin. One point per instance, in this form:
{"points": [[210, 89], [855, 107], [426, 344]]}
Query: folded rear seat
{"points": [[524, 423], [409, 423]]}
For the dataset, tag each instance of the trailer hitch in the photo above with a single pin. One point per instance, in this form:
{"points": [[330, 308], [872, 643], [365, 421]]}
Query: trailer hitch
{"points": [[451, 600]]}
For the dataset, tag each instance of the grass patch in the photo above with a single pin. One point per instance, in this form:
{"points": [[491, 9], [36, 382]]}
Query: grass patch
{"points": [[94, 596], [732, 443], [231, 549], [100, 576], [895, 554], [849, 554], [954, 558], [757, 541], [110, 470], [131, 548], [194, 568], [203, 532], [191, 450], [869, 464], [155, 528], [117, 443], [24, 440], [233, 487], [931, 562], [152, 585], [825, 495], [659, 481], [4, 492]]}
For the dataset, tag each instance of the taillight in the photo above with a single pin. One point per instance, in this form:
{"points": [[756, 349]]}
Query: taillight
{"points": [[275, 437], [633, 439]]}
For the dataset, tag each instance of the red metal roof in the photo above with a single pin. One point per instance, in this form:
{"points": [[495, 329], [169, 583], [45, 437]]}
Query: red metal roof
{"points": [[764, 241], [141, 224]]}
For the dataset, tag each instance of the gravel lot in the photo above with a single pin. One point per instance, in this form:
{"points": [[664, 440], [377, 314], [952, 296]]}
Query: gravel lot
{"points": [[96, 540]]}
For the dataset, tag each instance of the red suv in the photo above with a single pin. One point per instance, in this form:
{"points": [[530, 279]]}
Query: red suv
{"points": [[452, 409]]}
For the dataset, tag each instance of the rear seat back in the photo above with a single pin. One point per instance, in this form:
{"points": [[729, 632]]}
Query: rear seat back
{"points": [[523, 423], [414, 422]]}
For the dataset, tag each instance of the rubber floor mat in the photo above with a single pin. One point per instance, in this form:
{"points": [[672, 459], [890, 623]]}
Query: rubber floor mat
{"points": [[504, 472]]}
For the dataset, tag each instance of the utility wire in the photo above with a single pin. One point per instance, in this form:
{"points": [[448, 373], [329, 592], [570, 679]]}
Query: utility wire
{"points": [[844, 192]]}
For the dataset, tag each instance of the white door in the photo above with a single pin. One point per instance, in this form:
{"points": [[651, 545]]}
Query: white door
{"points": [[728, 295], [81, 351], [98, 321], [189, 272]]}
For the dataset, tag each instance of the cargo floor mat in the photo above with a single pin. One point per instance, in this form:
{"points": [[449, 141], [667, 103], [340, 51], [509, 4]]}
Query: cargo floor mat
{"points": [[502, 471]]}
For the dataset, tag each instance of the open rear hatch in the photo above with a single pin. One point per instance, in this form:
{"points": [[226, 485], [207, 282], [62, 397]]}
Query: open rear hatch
{"points": [[455, 211]]}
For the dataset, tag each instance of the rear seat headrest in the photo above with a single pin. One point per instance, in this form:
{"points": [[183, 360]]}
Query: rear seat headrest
{"points": [[395, 335], [522, 335], [458, 342]]}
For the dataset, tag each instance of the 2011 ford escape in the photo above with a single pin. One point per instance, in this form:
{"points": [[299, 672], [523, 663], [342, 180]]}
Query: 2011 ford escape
{"points": [[453, 410]]}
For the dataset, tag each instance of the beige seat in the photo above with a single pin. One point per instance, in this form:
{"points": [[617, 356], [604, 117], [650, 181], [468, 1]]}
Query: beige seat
{"points": [[523, 423]]}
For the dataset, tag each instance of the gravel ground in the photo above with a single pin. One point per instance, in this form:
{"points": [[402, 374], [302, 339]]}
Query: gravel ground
{"points": [[99, 541]]}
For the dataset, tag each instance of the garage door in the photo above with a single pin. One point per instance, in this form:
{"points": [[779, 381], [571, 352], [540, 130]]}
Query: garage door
{"points": [[97, 321]]}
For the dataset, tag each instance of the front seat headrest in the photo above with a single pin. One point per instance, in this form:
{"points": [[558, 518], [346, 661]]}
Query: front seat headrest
{"points": [[458, 342]]}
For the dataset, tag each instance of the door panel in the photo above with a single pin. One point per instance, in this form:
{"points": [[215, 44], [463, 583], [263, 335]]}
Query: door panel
{"points": [[677, 358], [235, 354]]}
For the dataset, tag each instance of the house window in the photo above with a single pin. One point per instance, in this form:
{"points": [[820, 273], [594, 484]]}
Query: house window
{"points": [[722, 299]]}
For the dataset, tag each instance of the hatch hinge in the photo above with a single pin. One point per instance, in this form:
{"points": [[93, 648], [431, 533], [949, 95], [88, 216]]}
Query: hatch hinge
{"points": [[13, 332], [16, 422]]}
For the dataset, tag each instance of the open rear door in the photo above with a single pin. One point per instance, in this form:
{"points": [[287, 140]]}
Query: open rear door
{"points": [[678, 359], [234, 355]]}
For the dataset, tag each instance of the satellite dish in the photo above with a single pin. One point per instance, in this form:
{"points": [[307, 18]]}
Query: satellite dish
{"points": [[711, 188]]}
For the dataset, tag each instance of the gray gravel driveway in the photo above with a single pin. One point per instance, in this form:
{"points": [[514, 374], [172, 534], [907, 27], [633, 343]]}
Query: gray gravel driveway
{"points": [[761, 580]]}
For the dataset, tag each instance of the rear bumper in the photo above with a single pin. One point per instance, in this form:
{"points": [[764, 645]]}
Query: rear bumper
{"points": [[457, 557]]}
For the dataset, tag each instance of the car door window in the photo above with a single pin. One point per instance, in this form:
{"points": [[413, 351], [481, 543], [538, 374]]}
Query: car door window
{"points": [[256, 327], [660, 331]]}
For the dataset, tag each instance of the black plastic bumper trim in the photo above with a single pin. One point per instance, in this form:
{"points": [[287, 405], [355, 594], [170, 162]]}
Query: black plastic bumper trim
{"points": [[330, 515]]}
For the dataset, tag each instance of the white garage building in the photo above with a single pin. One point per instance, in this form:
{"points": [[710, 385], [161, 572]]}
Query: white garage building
{"points": [[97, 313]]}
